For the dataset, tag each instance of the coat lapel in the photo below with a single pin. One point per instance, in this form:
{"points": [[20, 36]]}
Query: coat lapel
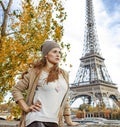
{"points": [[33, 84]]}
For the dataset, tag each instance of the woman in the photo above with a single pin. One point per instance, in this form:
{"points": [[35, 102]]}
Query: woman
{"points": [[47, 89]]}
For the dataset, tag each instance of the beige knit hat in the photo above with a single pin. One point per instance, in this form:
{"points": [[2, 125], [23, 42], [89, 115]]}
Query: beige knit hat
{"points": [[47, 46]]}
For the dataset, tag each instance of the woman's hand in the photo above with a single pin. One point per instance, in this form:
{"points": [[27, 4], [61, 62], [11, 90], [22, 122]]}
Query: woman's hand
{"points": [[35, 107], [69, 121], [73, 124]]}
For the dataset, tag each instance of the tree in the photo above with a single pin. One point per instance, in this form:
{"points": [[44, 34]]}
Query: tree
{"points": [[2, 35], [22, 33], [84, 107]]}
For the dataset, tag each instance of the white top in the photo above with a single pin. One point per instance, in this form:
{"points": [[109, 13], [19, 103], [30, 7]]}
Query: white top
{"points": [[51, 96]]}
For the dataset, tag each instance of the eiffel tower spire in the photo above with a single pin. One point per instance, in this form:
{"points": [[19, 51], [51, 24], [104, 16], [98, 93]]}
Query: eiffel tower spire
{"points": [[92, 80], [91, 45], [92, 67]]}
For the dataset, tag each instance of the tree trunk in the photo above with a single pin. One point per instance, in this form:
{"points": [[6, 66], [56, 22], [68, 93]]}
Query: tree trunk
{"points": [[5, 19]]}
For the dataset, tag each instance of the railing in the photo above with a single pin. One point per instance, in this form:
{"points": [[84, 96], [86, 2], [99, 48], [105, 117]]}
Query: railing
{"points": [[6, 123]]}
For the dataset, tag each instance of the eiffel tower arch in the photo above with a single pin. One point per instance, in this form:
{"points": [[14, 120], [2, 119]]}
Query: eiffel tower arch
{"points": [[92, 80]]}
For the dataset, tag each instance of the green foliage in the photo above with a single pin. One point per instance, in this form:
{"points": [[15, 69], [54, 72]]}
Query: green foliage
{"points": [[84, 107]]}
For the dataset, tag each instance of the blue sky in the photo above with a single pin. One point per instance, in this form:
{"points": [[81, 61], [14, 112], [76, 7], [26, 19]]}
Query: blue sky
{"points": [[112, 8], [111, 5]]}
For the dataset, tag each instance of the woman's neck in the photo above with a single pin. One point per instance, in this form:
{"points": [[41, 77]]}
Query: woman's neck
{"points": [[48, 67]]}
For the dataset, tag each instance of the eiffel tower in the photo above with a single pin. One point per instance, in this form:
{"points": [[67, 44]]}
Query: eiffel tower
{"points": [[92, 81]]}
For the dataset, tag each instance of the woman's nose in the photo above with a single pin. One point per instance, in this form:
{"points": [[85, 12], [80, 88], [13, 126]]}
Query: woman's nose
{"points": [[58, 54]]}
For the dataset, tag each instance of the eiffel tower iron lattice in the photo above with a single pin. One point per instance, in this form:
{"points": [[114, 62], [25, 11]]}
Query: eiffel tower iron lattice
{"points": [[92, 80]]}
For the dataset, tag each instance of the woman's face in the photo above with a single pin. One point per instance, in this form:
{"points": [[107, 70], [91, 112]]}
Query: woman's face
{"points": [[54, 56]]}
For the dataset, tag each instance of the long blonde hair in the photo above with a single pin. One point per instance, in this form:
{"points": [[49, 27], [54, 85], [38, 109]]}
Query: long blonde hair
{"points": [[54, 72]]}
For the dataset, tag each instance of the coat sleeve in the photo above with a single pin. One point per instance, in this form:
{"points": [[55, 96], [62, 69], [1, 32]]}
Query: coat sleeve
{"points": [[67, 113], [20, 87], [67, 110]]}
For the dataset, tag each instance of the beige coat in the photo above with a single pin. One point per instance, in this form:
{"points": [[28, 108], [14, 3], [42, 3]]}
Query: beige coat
{"points": [[29, 83]]}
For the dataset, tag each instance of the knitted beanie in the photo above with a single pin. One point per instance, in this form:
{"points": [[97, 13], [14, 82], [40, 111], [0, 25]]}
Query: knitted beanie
{"points": [[47, 46]]}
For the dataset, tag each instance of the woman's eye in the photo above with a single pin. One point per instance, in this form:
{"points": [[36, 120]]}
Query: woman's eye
{"points": [[59, 52], [55, 51]]}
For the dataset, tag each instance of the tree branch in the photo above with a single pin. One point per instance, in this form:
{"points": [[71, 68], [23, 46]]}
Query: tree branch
{"points": [[2, 5], [12, 33], [4, 25]]}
